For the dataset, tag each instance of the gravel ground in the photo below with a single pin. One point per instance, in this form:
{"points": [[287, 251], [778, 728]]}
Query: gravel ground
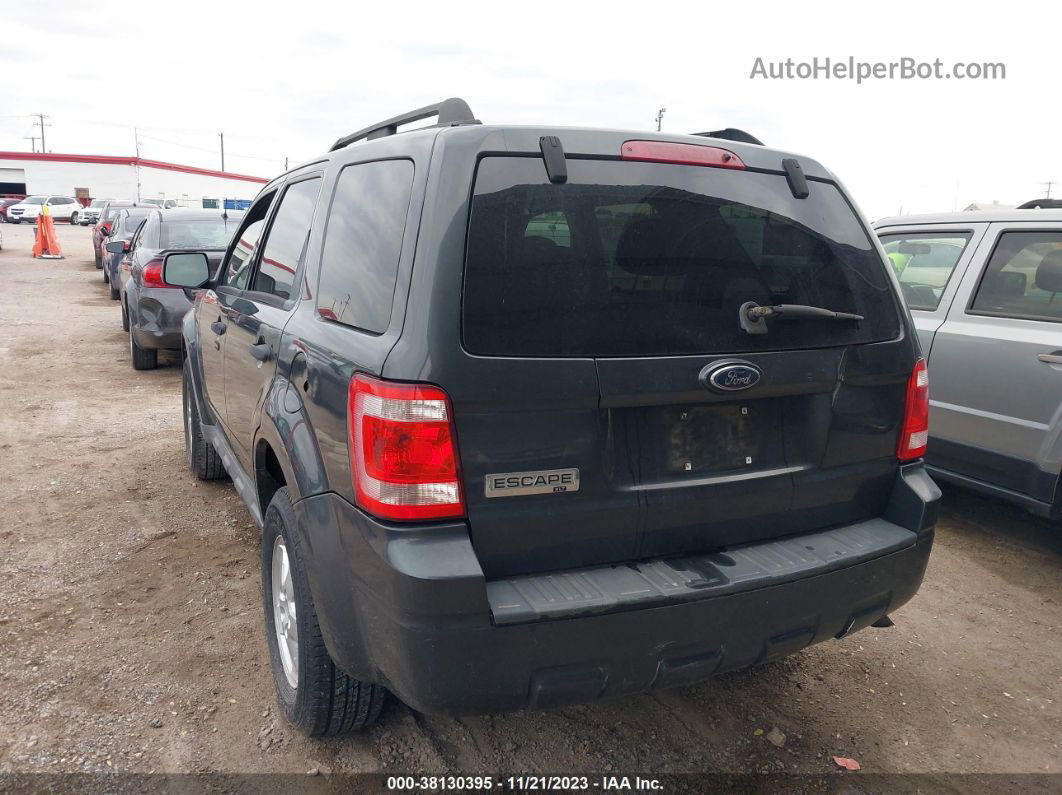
{"points": [[132, 639]]}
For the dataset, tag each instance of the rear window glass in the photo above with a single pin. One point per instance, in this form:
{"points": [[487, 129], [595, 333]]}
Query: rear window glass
{"points": [[363, 242], [198, 233], [924, 264], [647, 259]]}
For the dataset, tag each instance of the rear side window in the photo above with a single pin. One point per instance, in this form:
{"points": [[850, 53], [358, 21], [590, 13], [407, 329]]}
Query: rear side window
{"points": [[924, 264], [1023, 278], [363, 242], [286, 244], [649, 259]]}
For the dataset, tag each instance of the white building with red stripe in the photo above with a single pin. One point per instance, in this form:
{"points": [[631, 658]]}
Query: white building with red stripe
{"points": [[105, 177]]}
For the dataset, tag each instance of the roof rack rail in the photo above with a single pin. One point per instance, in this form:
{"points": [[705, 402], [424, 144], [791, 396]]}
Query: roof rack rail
{"points": [[450, 112], [1040, 204], [732, 134]]}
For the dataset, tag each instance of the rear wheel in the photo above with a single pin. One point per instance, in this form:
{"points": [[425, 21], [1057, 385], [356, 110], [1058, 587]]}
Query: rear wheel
{"points": [[143, 358], [115, 295], [99, 260], [125, 317], [314, 694], [73, 219], [203, 459]]}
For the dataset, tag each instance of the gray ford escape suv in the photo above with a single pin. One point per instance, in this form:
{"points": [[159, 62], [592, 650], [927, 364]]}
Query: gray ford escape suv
{"points": [[539, 416]]}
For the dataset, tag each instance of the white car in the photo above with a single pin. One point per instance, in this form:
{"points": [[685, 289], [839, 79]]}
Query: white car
{"points": [[91, 214], [61, 208]]}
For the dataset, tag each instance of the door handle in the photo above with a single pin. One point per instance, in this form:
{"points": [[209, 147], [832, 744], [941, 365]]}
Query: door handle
{"points": [[262, 351], [218, 327], [1050, 358]]}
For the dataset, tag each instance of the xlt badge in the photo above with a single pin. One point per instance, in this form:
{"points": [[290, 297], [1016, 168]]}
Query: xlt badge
{"points": [[548, 481]]}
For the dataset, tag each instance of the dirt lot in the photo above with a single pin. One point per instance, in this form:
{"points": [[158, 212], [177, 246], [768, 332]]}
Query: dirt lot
{"points": [[131, 633]]}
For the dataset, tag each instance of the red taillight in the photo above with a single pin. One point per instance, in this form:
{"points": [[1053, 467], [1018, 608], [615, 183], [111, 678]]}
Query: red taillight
{"points": [[914, 435], [403, 452], [152, 274], [680, 154]]}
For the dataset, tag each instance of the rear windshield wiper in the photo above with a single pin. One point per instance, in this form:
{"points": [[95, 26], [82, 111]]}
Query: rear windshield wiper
{"points": [[752, 315]]}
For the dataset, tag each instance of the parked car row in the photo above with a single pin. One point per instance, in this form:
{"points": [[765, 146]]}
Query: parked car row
{"points": [[130, 241], [531, 417]]}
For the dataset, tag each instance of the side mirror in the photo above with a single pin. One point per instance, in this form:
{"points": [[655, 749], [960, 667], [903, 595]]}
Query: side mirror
{"points": [[117, 246], [186, 270]]}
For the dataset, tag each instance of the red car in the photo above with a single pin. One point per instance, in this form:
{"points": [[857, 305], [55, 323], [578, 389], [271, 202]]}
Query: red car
{"points": [[4, 204]]}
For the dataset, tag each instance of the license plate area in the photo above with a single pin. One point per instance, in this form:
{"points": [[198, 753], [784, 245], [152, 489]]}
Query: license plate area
{"points": [[677, 442]]}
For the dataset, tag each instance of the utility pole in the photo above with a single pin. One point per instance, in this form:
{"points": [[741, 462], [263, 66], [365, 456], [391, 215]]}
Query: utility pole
{"points": [[33, 142], [660, 118], [136, 141], [285, 164], [42, 125], [222, 136], [1049, 185]]}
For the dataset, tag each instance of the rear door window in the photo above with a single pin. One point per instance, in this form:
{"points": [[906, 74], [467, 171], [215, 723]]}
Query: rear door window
{"points": [[648, 259], [924, 264], [363, 243], [1023, 278]]}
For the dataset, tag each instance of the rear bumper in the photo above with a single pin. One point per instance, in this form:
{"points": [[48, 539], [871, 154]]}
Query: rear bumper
{"points": [[156, 317], [410, 609]]}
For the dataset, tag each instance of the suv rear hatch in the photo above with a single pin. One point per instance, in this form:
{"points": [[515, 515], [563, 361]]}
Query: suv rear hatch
{"points": [[606, 303]]}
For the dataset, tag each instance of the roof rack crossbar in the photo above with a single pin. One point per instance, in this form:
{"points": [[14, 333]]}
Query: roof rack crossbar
{"points": [[450, 112]]}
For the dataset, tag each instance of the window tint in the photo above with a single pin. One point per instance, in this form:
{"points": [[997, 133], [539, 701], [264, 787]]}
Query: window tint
{"points": [[198, 232], [238, 266], [285, 245], [1023, 278], [924, 264], [149, 235], [363, 243], [646, 259]]}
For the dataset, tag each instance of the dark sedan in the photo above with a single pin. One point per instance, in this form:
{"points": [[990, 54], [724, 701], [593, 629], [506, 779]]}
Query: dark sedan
{"points": [[152, 310], [123, 229]]}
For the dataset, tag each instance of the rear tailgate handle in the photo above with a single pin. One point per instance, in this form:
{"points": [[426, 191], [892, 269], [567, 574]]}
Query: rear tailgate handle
{"points": [[1050, 358], [262, 351]]}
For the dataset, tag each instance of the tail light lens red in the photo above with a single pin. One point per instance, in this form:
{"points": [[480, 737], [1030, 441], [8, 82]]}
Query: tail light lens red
{"points": [[403, 450], [914, 435], [680, 154], [152, 274]]}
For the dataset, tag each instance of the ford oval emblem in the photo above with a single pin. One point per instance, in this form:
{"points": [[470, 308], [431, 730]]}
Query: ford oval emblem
{"points": [[731, 376]]}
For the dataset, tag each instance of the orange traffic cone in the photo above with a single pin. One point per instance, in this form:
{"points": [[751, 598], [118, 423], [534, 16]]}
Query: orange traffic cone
{"points": [[46, 246]]}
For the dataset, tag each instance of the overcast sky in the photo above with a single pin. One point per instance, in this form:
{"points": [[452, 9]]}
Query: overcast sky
{"points": [[286, 80]]}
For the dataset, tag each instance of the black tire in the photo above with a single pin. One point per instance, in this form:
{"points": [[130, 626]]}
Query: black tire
{"points": [[203, 459], [325, 702], [142, 358], [125, 318], [73, 219], [105, 279], [99, 260], [115, 295]]}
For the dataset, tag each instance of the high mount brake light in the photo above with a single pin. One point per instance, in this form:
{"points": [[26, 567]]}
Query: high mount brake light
{"points": [[403, 450], [914, 435], [680, 154]]}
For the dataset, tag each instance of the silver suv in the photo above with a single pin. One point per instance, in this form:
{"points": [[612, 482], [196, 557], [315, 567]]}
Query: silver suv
{"points": [[985, 291]]}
